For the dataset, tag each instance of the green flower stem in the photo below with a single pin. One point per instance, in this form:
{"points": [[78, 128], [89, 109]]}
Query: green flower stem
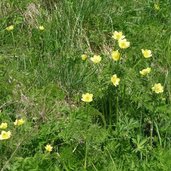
{"points": [[117, 108], [13, 40], [86, 152], [110, 111], [151, 135], [87, 111]]}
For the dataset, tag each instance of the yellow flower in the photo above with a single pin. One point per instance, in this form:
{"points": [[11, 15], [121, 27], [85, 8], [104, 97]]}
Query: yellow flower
{"points": [[146, 53], [123, 43], [5, 135], [116, 55], [156, 7], [83, 57], [96, 59], [10, 28], [158, 88], [3, 125], [87, 97], [145, 71], [48, 148], [118, 35], [41, 28], [115, 80], [19, 122]]}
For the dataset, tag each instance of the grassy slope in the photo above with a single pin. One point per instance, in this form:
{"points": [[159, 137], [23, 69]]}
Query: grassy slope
{"points": [[42, 71]]}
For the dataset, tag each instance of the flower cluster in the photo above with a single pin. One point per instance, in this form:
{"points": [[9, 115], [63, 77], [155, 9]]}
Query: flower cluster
{"points": [[123, 43], [11, 27], [7, 134], [157, 88]]}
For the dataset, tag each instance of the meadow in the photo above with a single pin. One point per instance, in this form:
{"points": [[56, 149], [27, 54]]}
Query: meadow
{"points": [[85, 85]]}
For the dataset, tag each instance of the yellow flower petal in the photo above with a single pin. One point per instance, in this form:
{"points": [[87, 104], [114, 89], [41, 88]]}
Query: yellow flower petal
{"points": [[41, 28], [84, 57], [115, 80], [123, 43], [156, 7], [87, 97], [10, 28], [19, 122], [3, 125], [118, 35], [145, 71], [158, 88], [116, 55], [146, 53], [5, 135], [96, 59], [48, 148]]}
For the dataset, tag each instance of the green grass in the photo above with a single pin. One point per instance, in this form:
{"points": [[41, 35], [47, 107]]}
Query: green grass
{"points": [[42, 79]]}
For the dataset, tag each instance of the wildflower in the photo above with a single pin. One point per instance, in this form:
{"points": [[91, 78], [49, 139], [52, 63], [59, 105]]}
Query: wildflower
{"points": [[123, 43], [41, 28], [118, 35], [96, 59], [83, 57], [87, 97], [5, 135], [48, 148], [116, 55], [115, 80], [145, 71], [146, 53], [19, 122], [156, 7], [10, 28], [3, 125], [158, 88]]}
